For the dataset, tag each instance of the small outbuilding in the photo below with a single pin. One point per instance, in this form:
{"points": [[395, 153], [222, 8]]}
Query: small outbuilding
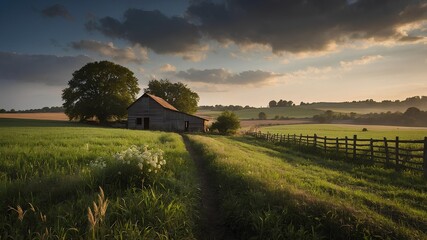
{"points": [[150, 112]]}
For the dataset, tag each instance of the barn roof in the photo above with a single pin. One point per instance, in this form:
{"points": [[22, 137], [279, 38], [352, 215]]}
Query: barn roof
{"points": [[164, 104]]}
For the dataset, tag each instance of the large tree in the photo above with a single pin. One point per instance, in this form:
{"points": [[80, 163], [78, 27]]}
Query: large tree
{"points": [[177, 94], [100, 89]]}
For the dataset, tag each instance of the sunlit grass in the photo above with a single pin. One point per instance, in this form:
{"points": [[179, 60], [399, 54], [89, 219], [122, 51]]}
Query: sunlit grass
{"points": [[343, 130], [270, 192], [46, 163]]}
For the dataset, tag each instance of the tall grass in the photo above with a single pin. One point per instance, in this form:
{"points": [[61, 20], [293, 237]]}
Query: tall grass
{"points": [[45, 170], [270, 192]]}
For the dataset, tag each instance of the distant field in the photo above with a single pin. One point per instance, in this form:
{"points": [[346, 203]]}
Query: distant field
{"points": [[208, 114], [49, 164], [292, 112], [308, 111], [342, 130], [38, 116], [362, 108], [247, 124]]}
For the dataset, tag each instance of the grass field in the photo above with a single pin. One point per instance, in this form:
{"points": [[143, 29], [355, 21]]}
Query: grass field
{"points": [[363, 108], [290, 112], [47, 183], [342, 130], [270, 192]]}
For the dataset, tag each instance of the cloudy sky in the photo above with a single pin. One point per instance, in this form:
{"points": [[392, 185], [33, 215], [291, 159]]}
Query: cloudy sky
{"points": [[244, 52]]}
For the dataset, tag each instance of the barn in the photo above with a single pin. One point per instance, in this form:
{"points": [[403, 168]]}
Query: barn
{"points": [[150, 112]]}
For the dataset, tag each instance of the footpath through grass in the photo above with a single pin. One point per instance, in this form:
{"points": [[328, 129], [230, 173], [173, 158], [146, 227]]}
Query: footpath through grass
{"points": [[47, 184], [270, 192], [342, 130]]}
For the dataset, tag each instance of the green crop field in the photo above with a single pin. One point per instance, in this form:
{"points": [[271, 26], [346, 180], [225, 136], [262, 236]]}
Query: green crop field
{"points": [[48, 180], [285, 112], [342, 130], [292, 112], [270, 192], [363, 108]]}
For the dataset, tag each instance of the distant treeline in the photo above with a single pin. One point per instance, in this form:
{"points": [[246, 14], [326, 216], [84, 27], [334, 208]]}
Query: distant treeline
{"points": [[410, 101], [225, 108], [281, 103], [40, 110], [411, 117]]}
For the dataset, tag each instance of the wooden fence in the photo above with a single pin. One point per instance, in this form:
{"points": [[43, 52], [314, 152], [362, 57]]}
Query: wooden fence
{"points": [[396, 153]]}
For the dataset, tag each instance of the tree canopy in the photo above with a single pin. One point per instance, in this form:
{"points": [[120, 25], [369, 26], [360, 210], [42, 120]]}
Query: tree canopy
{"points": [[100, 89], [177, 94], [226, 123]]}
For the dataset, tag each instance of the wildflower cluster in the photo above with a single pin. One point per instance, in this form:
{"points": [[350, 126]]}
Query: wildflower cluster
{"points": [[147, 160], [98, 163]]}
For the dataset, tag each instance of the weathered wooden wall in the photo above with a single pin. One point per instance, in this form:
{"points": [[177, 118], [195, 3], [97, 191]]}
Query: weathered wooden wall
{"points": [[162, 118]]}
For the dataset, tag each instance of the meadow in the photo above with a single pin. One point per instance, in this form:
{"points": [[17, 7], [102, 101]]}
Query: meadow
{"points": [[285, 112], [343, 130], [271, 192], [364, 108], [49, 179], [53, 185]]}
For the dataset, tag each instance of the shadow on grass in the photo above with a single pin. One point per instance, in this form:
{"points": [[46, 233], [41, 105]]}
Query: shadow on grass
{"points": [[254, 209]]}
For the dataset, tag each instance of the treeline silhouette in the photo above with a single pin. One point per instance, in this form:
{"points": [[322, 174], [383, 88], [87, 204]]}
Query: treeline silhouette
{"points": [[39, 110], [281, 103], [411, 117], [410, 101]]}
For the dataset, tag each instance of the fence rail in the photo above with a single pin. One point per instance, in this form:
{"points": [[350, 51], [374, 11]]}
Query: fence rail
{"points": [[396, 153]]}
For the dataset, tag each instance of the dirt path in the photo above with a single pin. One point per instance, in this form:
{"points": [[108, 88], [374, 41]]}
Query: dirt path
{"points": [[212, 224]]}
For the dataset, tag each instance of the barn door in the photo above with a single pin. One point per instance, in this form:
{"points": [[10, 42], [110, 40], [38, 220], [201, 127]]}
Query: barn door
{"points": [[146, 123], [187, 126]]}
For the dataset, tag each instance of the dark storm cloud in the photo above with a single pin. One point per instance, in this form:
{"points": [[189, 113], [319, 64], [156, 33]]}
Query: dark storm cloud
{"points": [[309, 25], [56, 10], [286, 25], [223, 76], [47, 69], [151, 29]]}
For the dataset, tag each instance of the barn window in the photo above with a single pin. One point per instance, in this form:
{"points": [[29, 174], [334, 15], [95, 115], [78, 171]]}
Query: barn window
{"points": [[138, 121]]}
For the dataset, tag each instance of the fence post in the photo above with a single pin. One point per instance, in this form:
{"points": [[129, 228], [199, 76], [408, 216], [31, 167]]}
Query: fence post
{"points": [[425, 157], [315, 141], [354, 147], [295, 139], [387, 155], [288, 138], [324, 145], [300, 140], [397, 153], [307, 140], [346, 148], [337, 147], [372, 150]]}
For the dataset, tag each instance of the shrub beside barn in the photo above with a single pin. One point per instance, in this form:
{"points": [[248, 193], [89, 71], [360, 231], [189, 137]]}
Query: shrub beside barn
{"points": [[150, 112]]}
